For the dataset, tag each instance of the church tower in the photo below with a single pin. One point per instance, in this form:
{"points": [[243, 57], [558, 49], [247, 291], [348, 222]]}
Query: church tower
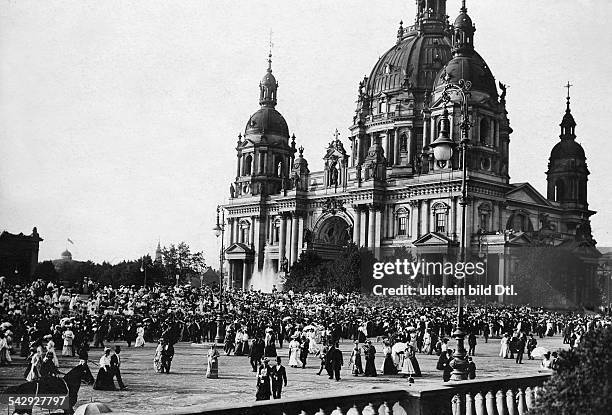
{"points": [[567, 173], [264, 156]]}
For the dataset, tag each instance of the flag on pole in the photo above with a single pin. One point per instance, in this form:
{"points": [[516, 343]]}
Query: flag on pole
{"points": [[70, 240]]}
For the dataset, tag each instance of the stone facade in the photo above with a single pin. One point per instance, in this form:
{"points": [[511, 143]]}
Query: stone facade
{"points": [[385, 189]]}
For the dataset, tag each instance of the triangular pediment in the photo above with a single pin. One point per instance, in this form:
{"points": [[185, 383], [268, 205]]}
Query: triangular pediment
{"points": [[519, 238], [434, 239], [526, 193], [238, 248]]}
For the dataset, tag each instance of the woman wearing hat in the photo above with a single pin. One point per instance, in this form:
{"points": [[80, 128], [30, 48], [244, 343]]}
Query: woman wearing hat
{"points": [[104, 379], [212, 366], [35, 363], [356, 360], [294, 352], [48, 368], [264, 389]]}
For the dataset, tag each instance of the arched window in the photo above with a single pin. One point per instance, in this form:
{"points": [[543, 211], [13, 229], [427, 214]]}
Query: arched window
{"points": [[519, 222], [403, 143], [245, 227], [248, 165], [484, 132], [559, 190], [440, 217], [484, 217], [382, 106], [402, 217]]}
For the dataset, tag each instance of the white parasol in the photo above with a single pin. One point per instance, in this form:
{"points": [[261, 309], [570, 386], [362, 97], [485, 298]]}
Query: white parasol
{"points": [[399, 347], [539, 351]]}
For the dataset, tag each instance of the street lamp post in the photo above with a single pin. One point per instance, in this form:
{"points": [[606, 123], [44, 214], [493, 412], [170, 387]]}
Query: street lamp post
{"points": [[219, 230], [443, 150], [143, 268]]}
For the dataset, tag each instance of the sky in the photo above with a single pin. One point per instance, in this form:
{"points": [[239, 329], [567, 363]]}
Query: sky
{"points": [[119, 119]]}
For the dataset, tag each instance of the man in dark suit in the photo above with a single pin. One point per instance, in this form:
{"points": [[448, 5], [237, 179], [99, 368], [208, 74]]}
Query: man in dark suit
{"points": [[167, 354], [336, 360], [115, 364], [521, 342], [256, 352], [279, 378]]}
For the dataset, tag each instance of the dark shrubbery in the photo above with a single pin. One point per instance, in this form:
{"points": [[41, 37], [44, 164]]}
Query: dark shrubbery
{"points": [[583, 383]]}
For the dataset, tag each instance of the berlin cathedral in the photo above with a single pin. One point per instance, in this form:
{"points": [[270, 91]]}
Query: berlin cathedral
{"points": [[384, 189]]}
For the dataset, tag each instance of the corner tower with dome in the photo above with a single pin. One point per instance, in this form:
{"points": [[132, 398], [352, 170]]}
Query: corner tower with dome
{"points": [[385, 191]]}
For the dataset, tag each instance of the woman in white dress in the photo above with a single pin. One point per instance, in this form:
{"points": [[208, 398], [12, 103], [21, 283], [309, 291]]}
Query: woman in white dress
{"points": [[504, 349], [294, 352], [157, 358], [35, 364], [140, 342], [68, 336], [51, 349]]}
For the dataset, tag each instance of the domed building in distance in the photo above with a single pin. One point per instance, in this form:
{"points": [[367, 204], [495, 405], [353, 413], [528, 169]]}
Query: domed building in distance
{"points": [[384, 189]]}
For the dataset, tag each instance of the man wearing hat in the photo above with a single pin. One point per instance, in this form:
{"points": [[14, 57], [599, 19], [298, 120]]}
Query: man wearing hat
{"points": [[279, 378], [115, 363]]}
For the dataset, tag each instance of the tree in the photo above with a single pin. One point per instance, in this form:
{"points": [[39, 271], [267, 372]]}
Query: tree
{"points": [[547, 276], [46, 271], [343, 274], [305, 274], [179, 260], [583, 382]]}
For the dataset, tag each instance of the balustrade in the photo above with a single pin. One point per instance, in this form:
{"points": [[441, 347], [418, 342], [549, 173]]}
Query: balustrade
{"points": [[502, 396]]}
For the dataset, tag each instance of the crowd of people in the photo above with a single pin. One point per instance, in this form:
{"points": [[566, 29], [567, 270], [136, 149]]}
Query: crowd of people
{"points": [[42, 319]]}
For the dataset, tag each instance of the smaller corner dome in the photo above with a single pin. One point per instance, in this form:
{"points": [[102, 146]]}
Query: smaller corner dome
{"points": [[567, 149], [471, 68], [267, 120], [463, 21]]}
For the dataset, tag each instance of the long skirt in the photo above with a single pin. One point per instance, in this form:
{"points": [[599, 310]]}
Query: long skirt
{"points": [[212, 368], [157, 364], [294, 359], [411, 367], [357, 365], [370, 369], [140, 342], [388, 366], [104, 381], [239, 349]]}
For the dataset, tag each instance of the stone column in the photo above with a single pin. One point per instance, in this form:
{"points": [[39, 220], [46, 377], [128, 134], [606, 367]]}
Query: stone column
{"points": [[453, 218], [300, 235], [252, 230], [396, 148], [378, 236], [230, 223], [294, 237], [357, 228], [236, 229], [283, 238], [238, 162], [502, 274], [363, 211], [428, 225], [372, 228], [256, 241]]}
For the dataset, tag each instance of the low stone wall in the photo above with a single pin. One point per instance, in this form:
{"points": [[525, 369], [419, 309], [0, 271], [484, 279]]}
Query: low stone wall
{"points": [[499, 396]]}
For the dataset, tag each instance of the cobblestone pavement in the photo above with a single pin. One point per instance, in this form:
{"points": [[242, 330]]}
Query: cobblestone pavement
{"points": [[186, 385]]}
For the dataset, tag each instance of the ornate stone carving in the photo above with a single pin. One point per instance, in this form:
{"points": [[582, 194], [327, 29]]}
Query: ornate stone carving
{"points": [[333, 206]]}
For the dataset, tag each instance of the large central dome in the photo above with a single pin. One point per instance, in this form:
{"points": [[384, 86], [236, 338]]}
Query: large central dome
{"points": [[414, 62]]}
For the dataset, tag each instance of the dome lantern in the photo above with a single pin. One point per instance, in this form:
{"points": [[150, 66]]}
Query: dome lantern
{"points": [[268, 87], [463, 32]]}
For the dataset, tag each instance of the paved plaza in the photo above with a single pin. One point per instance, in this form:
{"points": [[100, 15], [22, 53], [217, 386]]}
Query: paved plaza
{"points": [[186, 385]]}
